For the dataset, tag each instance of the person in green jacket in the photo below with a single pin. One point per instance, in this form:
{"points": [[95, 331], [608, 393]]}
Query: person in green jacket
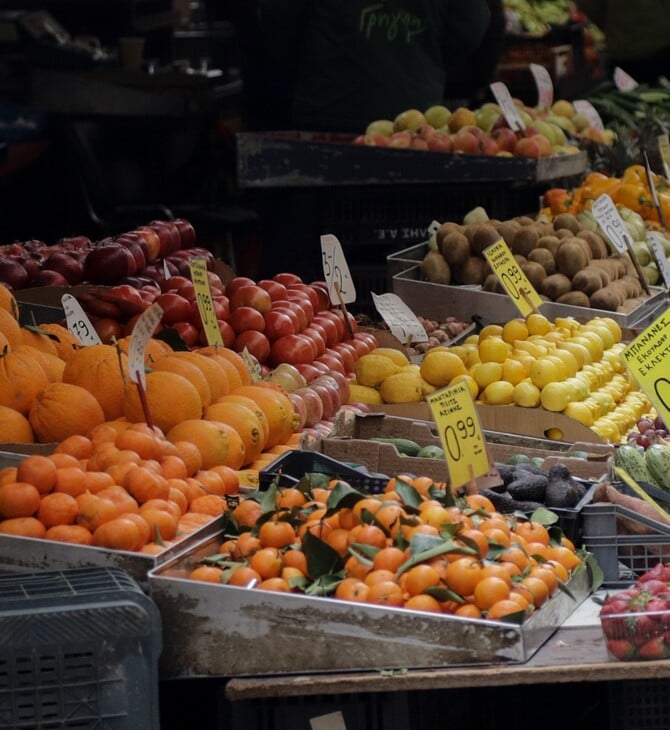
{"points": [[637, 35], [341, 64]]}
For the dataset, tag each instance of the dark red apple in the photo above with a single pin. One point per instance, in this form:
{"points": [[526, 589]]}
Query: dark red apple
{"points": [[313, 403], [71, 267], [152, 241], [109, 263], [168, 233], [186, 232], [13, 273], [49, 278]]}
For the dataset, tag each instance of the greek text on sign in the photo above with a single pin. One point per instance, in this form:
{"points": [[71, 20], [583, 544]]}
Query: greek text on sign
{"points": [[203, 293], [609, 220], [586, 109], [507, 106], [624, 81], [647, 359], [544, 84], [400, 319], [336, 271], [77, 321], [460, 432], [660, 258], [141, 334], [512, 278]]}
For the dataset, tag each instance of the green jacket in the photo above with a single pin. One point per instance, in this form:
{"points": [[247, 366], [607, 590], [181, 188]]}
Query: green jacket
{"points": [[633, 30], [347, 63]]}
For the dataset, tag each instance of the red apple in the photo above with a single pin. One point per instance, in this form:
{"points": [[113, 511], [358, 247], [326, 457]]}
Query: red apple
{"points": [[237, 283], [330, 327], [348, 354], [465, 141], [13, 273], [317, 338], [255, 342], [298, 311], [70, 266], [337, 320], [273, 288], [173, 283], [251, 296], [246, 318], [342, 385], [310, 291], [168, 233], [300, 407], [49, 278], [488, 145], [152, 241], [175, 308], [187, 332], [505, 138], [400, 140], [328, 398], [186, 232], [308, 371], [313, 403], [441, 142], [332, 360], [278, 324], [286, 278], [293, 349], [109, 263]]}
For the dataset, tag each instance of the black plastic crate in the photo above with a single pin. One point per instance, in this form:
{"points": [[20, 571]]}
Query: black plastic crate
{"points": [[292, 466], [642, 704], [78, 649]]}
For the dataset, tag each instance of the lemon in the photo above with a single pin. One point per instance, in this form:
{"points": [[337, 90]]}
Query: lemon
{"points": [[403, 387], [440, 366], [532, 348], [469, 381], [471, 354], [555, 434], [592, 343], [493, 349], [569, 324], [490, 330], [397, 356], [555, 396], [579, 412], [471, 340], [364, 394], [569, 360], [426, 387], [603, 332], [562, 367], [612, 325], [498, 393], [579, 388], [607, 430], [581, 353], [486, 372], [526, 394], [543, 371], [373, 369], [538, 324], [515, 329], [514, 371]]}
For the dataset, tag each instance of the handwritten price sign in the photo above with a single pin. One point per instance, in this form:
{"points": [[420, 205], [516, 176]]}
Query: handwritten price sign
{"points": [[78, 322], [512, 278], [336, 271], [140, 336], [203, 294], [400, 319]]}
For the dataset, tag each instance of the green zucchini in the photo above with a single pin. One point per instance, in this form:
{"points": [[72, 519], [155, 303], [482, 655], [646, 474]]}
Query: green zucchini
{"points": [[633, 462], [657, 458], [406, 447]]}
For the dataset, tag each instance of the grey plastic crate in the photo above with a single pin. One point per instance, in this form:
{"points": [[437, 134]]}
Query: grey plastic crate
{"points": [[78, 649]]}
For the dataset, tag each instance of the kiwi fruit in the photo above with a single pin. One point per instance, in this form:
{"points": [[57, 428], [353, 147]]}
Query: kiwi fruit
{"points": [[535, 273], [545, 258], [567, 221], [455, 248], [571, 258], [507, 229], [582, 244], [574, 298], [551, 243], [492, 284], [523, 220], [473, 271], [555, 286], [606, 298], [435, 269], [485, 235], [596, 243], [563, 233], [587, 280], [445, 229], [524, 241]]}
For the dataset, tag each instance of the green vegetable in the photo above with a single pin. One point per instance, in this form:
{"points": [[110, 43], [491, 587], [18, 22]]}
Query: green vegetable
{"points": [[518, 459], [406, 447], [634, 463], [657, 458], [431, 452]]}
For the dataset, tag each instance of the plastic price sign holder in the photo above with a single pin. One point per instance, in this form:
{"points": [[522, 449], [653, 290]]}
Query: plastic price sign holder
{"points": [[198, 268], [653, 191], [140, 336], [507, 106], [647, 359], [544, 85], [512, 278], [661, 259], [341, 289], [586, 109], [608, 218], [624, 81], [77, 321], [400, 319], [460, 432], [664, 149]]}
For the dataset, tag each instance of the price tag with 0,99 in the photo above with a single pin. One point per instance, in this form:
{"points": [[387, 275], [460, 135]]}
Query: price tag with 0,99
{"points": [[336, 271], [512, 278], [203, 293], [458, 424], [608, 218], [77, 321]]}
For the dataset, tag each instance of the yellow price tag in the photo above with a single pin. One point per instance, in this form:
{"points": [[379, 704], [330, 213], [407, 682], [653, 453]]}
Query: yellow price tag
{"points": [[203, 295], [646, 357], [458, 424], [512, 278]]}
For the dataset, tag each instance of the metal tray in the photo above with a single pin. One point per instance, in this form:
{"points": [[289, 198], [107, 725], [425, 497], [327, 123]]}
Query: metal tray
{"points": [[301, 158], [220, 630], [441, 300]]}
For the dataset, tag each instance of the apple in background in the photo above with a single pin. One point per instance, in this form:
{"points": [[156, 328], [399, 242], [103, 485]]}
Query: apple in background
{"points": [[287, 278], [488, 145], [317, 338], [34, 245], [299, 310], [332, 360], [70, 266], [227, 333], [137, 250], [278, 324], [152, 241], [13, 273], [168, 233], [527, 147], [300, 407], [186, 232], [400, 140], [418, 143], [465, 141], [342, 382], [313, 405], [371, 140], [32, 263], [505, 138], [308, 371], [216, 286], [250, 296], [75, 243], [348, 354], [441, 142], [321, 289], [329, 314], [310, 291], [173, 283], [187, 332], [329, 397], [108, 263], [246, 318], [546, 148], [46, 277], [276, 290]]}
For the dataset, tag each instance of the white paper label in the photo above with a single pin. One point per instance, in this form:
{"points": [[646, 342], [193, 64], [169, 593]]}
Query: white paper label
{"points": [[660, 257], [336, 271], [141, 334], [166, 269], [434, 227], [624, 81], [77, 321], [507, 106], [608, 218], [400, 319], [544, 85], [586, 109], [331, 721]]}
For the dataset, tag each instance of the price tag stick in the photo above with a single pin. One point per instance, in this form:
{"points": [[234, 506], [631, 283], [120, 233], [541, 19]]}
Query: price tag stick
{"points": [[652, 190], [528, 300], [344, 309], [636, 264], [143, 400]]}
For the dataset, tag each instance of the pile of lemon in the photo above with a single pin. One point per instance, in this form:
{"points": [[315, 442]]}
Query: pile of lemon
{"points": [[562, 366]]}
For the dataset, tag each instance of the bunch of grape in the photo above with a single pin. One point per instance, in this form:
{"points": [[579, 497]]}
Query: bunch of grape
{"points": [[649, 430]]}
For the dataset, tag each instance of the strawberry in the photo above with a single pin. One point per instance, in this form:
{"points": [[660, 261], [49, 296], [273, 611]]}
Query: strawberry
{"points": [[621, 649], [654, 649]]}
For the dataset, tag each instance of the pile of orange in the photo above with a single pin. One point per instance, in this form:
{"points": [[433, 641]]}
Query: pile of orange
{"points": [[477, 562]]}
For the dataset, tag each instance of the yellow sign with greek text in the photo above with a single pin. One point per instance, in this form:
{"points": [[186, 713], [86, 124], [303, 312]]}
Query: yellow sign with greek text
{"points": [[203, 293], [512, 278]]}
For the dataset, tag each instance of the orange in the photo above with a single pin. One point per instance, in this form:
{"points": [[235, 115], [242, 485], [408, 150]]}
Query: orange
{"points": [[81, 447], [21, 379], [214, 373], [8, 302], [207, 574], [10, 328], [538, 589], [61, 410], [63, 340], [244, 576], [71, 480], [274, 584], [38, 470], [23, 526], [368, 535], [40, 341], [95, 511], [278, 409], [503, 608], [161, 522], [352, 589], [267, 562], [209, 504], [70, 533], [124, 501], [387, 593], [52, 365], [119, 533], [489, 591], [231, 358], [245, 422], [190, 371], [18, 499], [15, 427], [463, 575], [423, 602], [57, 509], [247, 512], [389, 558], [190, 455], [143, 484], [419, 577], [217, 442]]}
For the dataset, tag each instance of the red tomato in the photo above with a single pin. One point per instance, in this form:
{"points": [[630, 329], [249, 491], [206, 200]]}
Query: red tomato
{"points": [[309, 291], [348, 355], [338, 322], [298, 312], [318, 339], [292, 349], [237, 283], [329, 326], [108, 329], [332, 360], [287, 278], [175, 308], [273, 288], [279, 323], [174, 283], [246, 318], [256, 342], [251, 296], [188, 332]]}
